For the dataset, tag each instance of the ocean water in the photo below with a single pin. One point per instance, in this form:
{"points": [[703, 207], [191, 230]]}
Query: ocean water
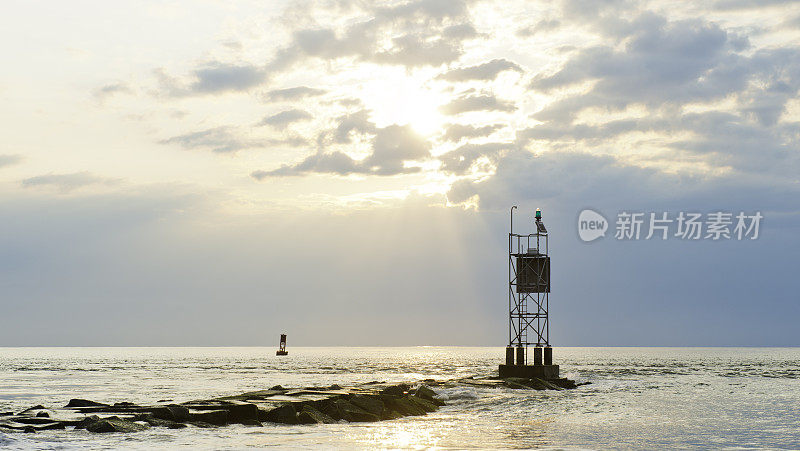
{"points": [[638, 397]]}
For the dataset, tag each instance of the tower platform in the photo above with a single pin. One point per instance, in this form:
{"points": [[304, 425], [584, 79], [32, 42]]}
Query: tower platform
{"points": [[530, 371]]}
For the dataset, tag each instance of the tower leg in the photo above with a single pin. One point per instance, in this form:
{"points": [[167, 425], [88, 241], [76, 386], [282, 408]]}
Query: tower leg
{"points": [[537, 356], [520, 355], [509, 355], [548, 355]]}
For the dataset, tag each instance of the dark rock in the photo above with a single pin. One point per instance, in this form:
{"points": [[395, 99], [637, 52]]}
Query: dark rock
{"points": [[32, 420], [6, 414], [344, 410], [242, 412], [426, 393], [51, 426], [427, 406], [202, 424], [395, 390], [87, 421], [335, 387], [43, 415], [115, 424], [30, 409], [84, 403], [125, 404], [250, 423], [371, 404], [217, 417], [277, 387], [152, 421], [29, 429], [172, 412], [403, 405], [310, 415], [285, 414]]}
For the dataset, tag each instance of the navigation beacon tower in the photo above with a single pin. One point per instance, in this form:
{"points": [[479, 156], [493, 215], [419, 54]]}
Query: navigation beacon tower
{"points": [[528, 302]]}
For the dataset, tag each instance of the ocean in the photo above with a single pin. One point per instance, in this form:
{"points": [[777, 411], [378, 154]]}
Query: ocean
{"points": [[638, 397]]}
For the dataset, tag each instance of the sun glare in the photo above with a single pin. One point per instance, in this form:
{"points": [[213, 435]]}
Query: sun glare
{"points": [[405, 101]]}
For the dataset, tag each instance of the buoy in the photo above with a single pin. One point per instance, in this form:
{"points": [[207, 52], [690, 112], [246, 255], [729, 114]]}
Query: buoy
{"points": [[282, 348]]}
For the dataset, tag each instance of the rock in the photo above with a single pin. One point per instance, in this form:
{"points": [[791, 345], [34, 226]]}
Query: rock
{"points": [[335, 387], [31, 420], [172, 412], [277, 387], [43, 415], [341, 409], [426, 405], [202, 424], [284, 414], [426, 393], [6, 414], [395, 390], [216, 417], [403, 405], [310, 415], [30, 409], [29, 429], [115, 424], [242, 412], [51, 426], [152, 421], [87, 421], [84, 403], [371, 404]]}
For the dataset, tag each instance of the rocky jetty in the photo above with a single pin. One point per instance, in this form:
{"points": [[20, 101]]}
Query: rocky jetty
{"points": [[374, 401]]}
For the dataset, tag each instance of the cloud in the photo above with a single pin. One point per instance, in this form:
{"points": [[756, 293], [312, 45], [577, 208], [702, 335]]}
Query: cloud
{"points": [[485, 71], [296, 93], [423, 33], [481, 102], [67, 182], [542, 26], [392, 148], [358, 122], [457, 132], [213, 78], [284, 118], [228, 139], [461, 160], [9, 160], [112, 89], [664, 62]]}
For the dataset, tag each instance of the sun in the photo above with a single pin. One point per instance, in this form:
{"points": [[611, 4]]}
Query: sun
{"points": [[405, 100]]}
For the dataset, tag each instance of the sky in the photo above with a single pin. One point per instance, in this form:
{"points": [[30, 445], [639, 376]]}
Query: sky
{"points": [[214, 173]]}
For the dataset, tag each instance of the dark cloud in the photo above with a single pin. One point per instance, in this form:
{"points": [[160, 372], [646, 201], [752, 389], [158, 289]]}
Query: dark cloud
{"points": [[480, 102], [461, 160], [392, 147], [284, 118], [67, 182], [217, 77], [296, 93], [484, 71], [213, 78], [457, 132], [9, 160], [358, 122]]}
